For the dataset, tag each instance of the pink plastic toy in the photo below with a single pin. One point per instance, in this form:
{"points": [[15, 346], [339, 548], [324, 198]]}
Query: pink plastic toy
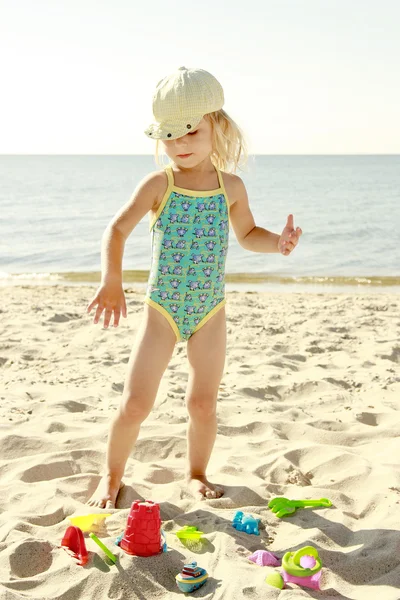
{"points": [[264, 558], [302, 567], [74, 543], [142, 535]]}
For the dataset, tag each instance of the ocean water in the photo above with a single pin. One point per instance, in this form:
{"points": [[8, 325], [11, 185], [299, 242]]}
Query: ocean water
{"points": [[54, 209]]}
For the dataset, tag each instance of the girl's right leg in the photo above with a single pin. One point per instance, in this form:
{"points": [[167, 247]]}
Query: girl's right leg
{"points": [[151, 353]]}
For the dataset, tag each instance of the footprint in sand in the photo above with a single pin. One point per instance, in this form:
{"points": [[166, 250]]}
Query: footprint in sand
{"points": [[31, 558], [48, 471], [261, 392], [64, 317], [394, 356], [367, 419]]}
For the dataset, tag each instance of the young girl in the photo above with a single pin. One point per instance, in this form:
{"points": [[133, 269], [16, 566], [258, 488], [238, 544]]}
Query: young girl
{"points": [[190, 204]]}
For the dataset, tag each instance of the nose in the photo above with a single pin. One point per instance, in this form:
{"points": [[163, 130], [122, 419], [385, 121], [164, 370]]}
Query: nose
{"points": [[181, 145]]}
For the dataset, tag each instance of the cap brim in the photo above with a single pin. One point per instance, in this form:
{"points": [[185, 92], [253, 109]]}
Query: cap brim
{"points": [[172, 130]]}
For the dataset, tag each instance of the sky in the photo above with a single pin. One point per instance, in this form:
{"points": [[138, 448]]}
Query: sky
{"points": [[299, 76]]}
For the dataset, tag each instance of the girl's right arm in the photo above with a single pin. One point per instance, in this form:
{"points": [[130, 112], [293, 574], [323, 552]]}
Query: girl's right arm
{"points": [[110, 295]]}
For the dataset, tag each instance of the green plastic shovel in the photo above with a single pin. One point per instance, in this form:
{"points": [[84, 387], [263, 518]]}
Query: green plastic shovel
{"points": [[283, 507]]}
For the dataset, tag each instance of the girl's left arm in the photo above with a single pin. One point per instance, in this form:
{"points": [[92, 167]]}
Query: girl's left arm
{"points": [[252, 237]]}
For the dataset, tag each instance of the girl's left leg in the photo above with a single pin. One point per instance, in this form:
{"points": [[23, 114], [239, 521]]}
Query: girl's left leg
{"points": [[206, 350]]}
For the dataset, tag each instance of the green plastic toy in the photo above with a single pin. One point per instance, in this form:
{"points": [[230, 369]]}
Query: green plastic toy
{"points": [[106, 551], [291, 562], [302, 567], [189, 532], [283, 507], [275, 579]]}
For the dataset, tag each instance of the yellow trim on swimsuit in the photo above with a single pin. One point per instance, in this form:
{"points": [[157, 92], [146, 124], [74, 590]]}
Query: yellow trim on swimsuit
{"points": [[197, 193], [166, 314]]}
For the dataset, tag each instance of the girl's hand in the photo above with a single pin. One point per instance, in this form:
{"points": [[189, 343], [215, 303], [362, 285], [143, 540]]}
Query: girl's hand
{"points": [[289, 238], [110, 298]]}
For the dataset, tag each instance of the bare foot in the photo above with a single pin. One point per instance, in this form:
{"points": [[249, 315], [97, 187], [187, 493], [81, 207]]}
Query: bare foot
{"points": [[201, 485], [106, 493]]}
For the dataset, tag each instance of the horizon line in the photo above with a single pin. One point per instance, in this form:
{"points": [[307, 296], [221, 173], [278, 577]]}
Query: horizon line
{"points": [[254, 154]]}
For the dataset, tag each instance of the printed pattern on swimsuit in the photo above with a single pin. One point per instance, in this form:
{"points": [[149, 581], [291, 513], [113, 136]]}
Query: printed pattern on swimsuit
{"points": [[189, 247]]}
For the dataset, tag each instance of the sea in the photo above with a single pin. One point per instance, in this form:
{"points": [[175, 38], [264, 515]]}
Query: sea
{"points": [[54, 210]]}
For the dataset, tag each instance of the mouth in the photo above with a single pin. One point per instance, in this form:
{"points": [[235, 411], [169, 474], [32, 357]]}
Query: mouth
{"points": [[184, 155]]}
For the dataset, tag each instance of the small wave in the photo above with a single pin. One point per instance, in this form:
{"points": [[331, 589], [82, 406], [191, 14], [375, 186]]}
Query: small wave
{"points": [[29, 276], [141, 276]]}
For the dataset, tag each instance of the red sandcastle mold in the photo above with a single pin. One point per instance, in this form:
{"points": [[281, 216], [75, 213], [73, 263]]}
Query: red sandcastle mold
{"points": [[142, 535], [74, 543]]}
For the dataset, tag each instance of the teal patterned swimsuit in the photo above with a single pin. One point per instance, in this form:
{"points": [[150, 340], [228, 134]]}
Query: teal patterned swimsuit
{"points": [[190, 234]]}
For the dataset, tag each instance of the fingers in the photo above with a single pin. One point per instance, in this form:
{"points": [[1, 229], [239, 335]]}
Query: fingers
{"points": [[294, 238], [109, 306], [97, 316], [90, 306], [117, 315], [291, 243], [288, 246], [107, 317]]}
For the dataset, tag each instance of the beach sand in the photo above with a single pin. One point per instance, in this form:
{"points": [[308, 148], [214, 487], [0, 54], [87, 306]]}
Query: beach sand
{"points": [[308, 408]]}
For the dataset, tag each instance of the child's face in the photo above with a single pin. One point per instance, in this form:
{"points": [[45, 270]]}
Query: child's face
{"points": [[197, 143]]}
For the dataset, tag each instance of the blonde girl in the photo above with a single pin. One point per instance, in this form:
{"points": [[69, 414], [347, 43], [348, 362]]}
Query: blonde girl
{"points": [[191, 203]]}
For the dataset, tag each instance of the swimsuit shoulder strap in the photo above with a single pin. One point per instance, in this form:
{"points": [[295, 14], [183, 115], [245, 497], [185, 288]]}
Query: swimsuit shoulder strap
{"points": [[171, 182], [170, 175], [221, 181]]}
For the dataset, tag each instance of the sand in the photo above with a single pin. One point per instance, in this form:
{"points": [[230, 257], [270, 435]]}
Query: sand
{"points": [[308, 408]]}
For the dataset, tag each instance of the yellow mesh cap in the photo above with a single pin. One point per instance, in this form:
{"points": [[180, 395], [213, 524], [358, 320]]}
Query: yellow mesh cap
{"points": [[181, 100]]}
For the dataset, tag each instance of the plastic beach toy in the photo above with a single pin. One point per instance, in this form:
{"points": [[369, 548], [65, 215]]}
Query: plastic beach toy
{"points": [[74, 543], [283, 506], [191, 577], [189, 533], [245, 523], [142, 536], [110, 555], [275, 579], [164, 546], [263, 558], [302, 567], [89, 522]]}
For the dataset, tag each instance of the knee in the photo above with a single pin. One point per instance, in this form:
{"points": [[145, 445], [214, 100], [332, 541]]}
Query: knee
{"points": [[202, 407], [134, 408]]}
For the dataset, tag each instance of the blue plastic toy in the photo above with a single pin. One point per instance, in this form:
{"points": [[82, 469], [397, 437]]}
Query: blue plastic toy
{"points": [[165, 547], [245, 523]]}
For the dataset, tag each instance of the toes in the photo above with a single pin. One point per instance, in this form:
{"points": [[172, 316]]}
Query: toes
{"points": [[217, 492], [97, 504], [110, 504]]}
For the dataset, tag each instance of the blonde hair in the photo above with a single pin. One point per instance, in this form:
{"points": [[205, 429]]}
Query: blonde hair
{"points": [[229, 146]]}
